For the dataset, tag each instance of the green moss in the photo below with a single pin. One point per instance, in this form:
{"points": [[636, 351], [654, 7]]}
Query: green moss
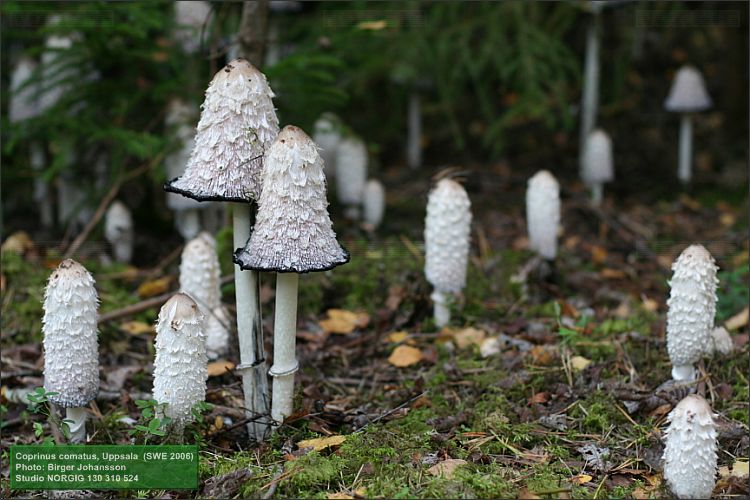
{"points": [[597, 413]]}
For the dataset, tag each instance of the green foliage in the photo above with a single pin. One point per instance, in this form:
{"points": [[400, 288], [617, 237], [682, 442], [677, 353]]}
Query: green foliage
{"points": [[40, 404], [150, 423], [733, 292]]}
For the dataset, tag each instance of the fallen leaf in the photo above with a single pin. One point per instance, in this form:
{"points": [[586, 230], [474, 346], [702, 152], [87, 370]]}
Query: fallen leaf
{"points": [[490, 346], [738, 320], [727, 219], [572, 242], [469, 336], [343, 322], [526, 494], [740, 468], [154, 287], [339, 495], [579, 363], [446, 468], [543, 355], [319, 444], [136, 327], [650, 304], [373, 25], [613, 274], [660, 410], [220, 367], [405, 355], [539, 398], [581, 479], [598, 254], [396, 294], [397, 337], [18, 243]]}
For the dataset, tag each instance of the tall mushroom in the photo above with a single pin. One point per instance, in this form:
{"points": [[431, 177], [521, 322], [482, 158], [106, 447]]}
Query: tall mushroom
{"points": [[181, 366], [327, 135], [237, 125], [351, 174], [293, 235], [598, 166], [692, 307], [71, 346], [690, 451], [687, 95], [446, 236], [543, 213], [199, 278], [373, 204], [118, 231]]}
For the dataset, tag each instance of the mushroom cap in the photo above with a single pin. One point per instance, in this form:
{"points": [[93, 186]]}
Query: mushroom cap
{"points": [[71, 346], [200, 272], [118, 223], [691, 305], [351, 170], [373, 202], [543, 213], [688, 92], [598, 165], [293, 231], [446, 234], [690, 451], [238, 123]]}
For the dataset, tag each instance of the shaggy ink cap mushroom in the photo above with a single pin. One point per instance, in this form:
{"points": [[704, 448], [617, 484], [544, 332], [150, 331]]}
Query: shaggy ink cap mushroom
{"points": [[351, 170], [238, 123], [690, 451], [598, 165], [293, 232], [543, 213], [71, 347], [688, 93]]}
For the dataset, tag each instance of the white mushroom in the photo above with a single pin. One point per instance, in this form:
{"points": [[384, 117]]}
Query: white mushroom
{"points": [[293, 234], [721, 341], [543, 213], [692, 307], [690, 452], [598, 166], [687, 95], [199, 278], [446, 235], [118, 231], [351, 174], [191, 18], [373, 203], [327, 135], [181, 365], [71, 347], [237, 125]]}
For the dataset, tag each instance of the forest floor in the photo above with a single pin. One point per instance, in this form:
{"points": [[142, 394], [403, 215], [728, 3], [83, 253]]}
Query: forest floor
{"points": [[545, 388]]}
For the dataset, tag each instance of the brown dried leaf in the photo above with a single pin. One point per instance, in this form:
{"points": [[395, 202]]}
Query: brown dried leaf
{"points": [[469, 336], [446, 468], [581, 479], [343, 322], [154, 287], [598, 254], [405, 355], [220, 367], [397, 337], [319, 444], [738, 320]]}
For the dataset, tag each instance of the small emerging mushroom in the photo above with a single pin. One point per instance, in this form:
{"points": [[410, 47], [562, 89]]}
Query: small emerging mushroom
{"points": [[181, 365], [692, 307], [351, 173], [446, 236], [721, 341], [293, 234], [71, 346], [687, 95], [118, 231], [543, 213], [690, 452], [199, 278], [598, 166], [373, 204], [327, 135]]}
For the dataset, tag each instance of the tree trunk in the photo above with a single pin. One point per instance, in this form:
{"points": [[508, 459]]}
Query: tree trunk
{"points": [[252, 32]]}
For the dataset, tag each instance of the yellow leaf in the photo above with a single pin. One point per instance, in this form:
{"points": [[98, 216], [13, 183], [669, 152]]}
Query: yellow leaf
{"points": [[581, 479], [319, 444], [397, 337], [339, 495], [373, 25], [446, 468], [154, 287], [469, 336], [219, 367], [579, 363], [343, 322], [738, 320], [136, 327], [740, 468], [405, 355]]}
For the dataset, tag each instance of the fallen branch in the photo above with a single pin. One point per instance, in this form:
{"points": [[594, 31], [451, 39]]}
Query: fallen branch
{"points": [[135, 308]]}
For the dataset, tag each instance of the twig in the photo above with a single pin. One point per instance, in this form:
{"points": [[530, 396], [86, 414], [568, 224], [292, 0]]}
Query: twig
{"points": [[411, 247], [280, 474], [135, 308], [389, 412]]}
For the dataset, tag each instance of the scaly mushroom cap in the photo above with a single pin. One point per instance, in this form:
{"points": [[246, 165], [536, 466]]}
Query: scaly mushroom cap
{"points": [[293, 232], [690, 452], [71, 347], [180, 118], [692, 306], [373, 203], [446, 236], [688, 92], [237, 125], [598, 165], [351, 170], [328, 136], [23, 104], [181, 365], [543, 213]]}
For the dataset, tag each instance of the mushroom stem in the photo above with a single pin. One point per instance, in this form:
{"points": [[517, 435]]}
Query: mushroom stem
{"points": [[683, 373], [597, 193], [590, 81], [250, 332], [284, 341], [414, 139], [78, 424], [442, 309], [686, 146]]}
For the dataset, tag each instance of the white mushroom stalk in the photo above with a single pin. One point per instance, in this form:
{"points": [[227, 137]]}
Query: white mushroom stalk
{"points": [[293, 234], [543, 213], [327, 135], [373, 204], [181, 365], [71, 346], [692, 307], [687, 95], [199, 278], [351, 174], [690, 452], [446, 234], [118, 231], [414, 133], [590, 97], [598, 165], [237, 125]]}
